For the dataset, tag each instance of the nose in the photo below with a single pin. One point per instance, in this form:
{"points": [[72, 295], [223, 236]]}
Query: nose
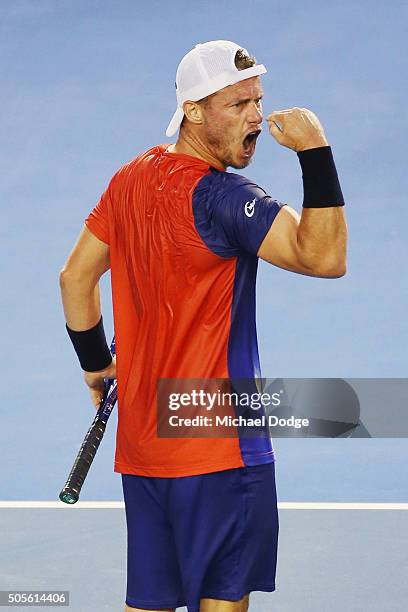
{"points": [[254, 113]]}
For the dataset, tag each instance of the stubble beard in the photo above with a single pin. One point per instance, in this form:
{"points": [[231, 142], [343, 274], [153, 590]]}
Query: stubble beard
{"points": [[223, 151]]}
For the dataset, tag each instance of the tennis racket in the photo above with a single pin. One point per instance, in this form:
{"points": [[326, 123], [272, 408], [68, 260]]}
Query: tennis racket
{"points": [[72, 489]]}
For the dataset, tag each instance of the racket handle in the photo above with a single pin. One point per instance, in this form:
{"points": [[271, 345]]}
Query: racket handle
{"points": [[72, 489]]}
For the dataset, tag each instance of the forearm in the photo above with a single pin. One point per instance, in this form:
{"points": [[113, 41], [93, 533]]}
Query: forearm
{"points": [[79, 283], [322, 240], [81, 302], [322, 230], [82, 310]]}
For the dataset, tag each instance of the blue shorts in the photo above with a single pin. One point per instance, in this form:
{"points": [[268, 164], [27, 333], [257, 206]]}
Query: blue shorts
{"points": [[212, 535]]}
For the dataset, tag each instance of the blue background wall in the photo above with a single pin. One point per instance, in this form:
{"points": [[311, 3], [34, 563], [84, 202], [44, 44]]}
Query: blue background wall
{"points": [[88, 86]]}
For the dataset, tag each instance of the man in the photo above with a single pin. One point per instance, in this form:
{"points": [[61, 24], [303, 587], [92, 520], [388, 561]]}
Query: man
{"points": [[182, 237]]}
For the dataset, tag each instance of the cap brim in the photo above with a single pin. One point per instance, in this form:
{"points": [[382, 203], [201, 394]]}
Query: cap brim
{"points": [[175, 122]]}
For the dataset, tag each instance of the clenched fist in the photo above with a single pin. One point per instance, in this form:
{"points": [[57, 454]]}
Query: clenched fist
{"points": [[297, 128]]}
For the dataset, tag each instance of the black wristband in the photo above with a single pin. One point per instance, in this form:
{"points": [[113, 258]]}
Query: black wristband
{"points": [[321, 187], [91, 347]]}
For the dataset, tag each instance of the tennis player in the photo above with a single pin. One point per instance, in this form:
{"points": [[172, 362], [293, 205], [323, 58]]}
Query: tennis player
{"points": [[182, 237]]}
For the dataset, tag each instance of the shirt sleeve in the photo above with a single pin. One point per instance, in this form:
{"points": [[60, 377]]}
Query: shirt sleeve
{"points": [[98, 219], [244, 216]]}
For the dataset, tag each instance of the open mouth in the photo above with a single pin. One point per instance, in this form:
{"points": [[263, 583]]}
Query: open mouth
{"points": [[249, 142]]}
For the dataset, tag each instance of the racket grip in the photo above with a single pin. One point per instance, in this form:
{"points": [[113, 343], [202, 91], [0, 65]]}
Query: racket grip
{"points": [[72, 489]]}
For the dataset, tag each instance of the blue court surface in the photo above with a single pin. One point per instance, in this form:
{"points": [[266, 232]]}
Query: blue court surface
{"points": [[87, 86], [329, 559]]}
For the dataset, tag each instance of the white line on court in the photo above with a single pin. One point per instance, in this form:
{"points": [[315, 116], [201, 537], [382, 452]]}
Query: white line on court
{"points": [[109, 505]]}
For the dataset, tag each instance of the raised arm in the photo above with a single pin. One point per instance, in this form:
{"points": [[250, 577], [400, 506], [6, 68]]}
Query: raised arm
{"points": [[315, 242]]}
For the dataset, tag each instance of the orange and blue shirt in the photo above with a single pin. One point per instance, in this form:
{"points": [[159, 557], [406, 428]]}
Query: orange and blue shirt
{"points": [[183, 240]]}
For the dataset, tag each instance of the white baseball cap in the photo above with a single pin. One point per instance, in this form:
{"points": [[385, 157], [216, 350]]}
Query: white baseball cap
{"points": [[206, 69]]}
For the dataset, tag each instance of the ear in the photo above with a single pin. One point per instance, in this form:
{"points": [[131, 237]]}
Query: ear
{"points": [[194, 112]]}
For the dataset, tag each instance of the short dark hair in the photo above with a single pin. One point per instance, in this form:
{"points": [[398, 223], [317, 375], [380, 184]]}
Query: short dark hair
{"points": [[242, 61]]}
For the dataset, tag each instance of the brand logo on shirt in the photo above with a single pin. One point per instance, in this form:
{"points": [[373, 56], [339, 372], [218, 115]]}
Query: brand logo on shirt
{"points": [[250, 208]]}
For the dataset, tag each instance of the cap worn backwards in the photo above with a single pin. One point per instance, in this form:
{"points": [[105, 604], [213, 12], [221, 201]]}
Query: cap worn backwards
{"points": [[206, 69]]}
